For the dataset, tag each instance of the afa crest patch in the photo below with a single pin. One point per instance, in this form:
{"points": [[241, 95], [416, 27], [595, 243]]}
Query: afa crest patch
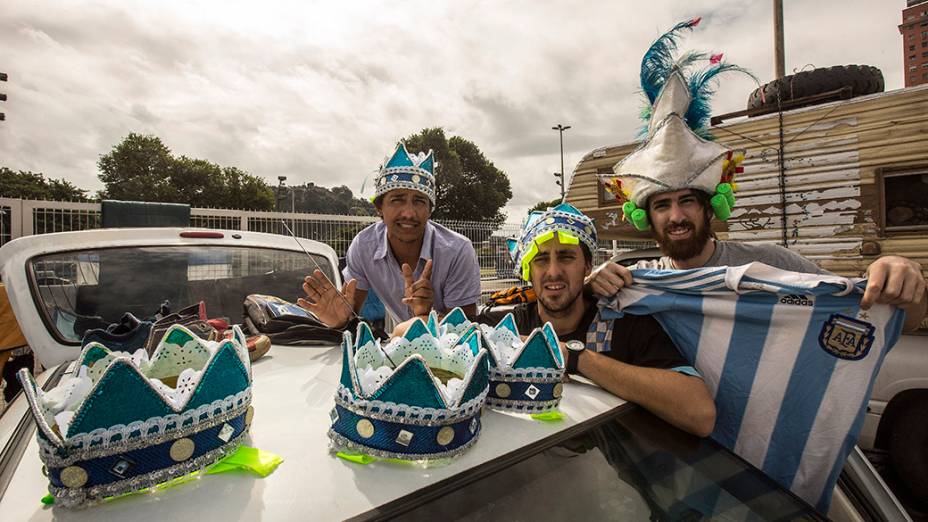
{"points": [[846, 337]]}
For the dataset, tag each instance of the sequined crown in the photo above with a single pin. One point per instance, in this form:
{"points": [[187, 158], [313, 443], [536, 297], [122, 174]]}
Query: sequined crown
{"points": [[415, 397], [123, 422], [573, 226], [525, 376], [408, 171]]}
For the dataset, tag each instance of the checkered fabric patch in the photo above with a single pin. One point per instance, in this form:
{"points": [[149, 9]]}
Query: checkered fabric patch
{"points": [[599, 336]]}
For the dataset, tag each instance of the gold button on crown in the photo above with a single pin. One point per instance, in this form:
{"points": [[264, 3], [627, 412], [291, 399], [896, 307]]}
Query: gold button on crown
{"points": [[182, 449], [503, 390], [249, 415], [365, 428], [445, 435], [558, 390], [73, 477]]}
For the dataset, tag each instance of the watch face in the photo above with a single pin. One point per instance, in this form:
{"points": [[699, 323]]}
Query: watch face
{"points": [[575, 345]]}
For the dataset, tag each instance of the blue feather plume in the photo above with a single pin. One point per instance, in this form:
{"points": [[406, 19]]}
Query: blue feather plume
{"points": [[658, 62], [702, 87]]}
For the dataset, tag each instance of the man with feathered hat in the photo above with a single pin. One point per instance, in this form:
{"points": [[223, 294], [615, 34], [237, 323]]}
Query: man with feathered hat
{"points": [[678, 179], [412, 263], [673, 184]]}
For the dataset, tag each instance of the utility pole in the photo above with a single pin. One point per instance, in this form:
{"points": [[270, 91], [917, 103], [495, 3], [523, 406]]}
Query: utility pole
{"points": [[280, 190], [3, 78], [778, 56], [560, 129]]}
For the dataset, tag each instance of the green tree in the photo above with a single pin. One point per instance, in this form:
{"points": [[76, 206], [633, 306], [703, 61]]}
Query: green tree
{"points": [[468, 185], [543, 205], [142, 168], [33, 185], [314, 199]]}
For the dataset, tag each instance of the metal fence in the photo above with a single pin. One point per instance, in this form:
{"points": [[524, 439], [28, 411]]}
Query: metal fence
{"points": [[27, 217]]}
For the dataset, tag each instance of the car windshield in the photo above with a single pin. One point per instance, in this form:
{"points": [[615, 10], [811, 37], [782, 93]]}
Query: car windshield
{"points": [[85, 289], [633, 466]]}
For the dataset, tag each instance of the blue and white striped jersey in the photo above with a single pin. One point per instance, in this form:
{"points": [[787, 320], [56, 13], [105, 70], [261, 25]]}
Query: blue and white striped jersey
{"points": [[790, 359]]}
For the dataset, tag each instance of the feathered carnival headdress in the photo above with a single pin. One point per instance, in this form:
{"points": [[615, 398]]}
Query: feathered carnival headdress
{"points": [[677, 152]]}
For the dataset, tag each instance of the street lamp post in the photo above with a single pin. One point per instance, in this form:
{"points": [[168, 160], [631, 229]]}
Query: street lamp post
{"points": [[560, 129], [280, 190]]}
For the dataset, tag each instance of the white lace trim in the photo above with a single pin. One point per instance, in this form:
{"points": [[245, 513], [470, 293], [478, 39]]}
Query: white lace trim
{"points": [[526, 374], [404, 413]]}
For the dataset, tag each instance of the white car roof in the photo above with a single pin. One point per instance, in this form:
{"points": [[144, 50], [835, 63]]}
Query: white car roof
{"points": [[293, 392]]}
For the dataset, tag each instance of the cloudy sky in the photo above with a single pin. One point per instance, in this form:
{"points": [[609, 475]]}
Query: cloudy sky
{"points": [[320, 91]]}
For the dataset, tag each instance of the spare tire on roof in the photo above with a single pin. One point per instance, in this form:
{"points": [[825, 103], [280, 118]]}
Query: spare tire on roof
{"points": [[862, 79]]}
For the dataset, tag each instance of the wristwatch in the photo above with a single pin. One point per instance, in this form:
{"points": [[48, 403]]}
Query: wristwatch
{"points": [[574, 349]]}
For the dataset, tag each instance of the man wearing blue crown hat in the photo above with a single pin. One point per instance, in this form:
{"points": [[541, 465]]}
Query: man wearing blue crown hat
{"points": [[412, 263], [796, 429], [631, 356]]}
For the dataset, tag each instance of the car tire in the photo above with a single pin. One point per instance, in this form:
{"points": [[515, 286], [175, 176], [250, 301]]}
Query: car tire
{"points": [[908, 448], [863, 79]]}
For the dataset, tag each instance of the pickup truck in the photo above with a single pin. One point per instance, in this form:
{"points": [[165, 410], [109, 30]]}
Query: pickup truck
{"points": [[605, 460]]}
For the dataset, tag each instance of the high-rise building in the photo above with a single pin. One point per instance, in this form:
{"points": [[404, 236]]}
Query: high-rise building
{"points": [[914, 29]]}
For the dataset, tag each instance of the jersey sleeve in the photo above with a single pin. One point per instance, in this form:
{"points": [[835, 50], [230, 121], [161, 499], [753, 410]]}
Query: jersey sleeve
{"points": [[462, 286], [354, 266]]}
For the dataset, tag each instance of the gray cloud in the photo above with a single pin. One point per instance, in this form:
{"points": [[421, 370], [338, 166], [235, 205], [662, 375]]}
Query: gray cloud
{"points": [[320, 91]]}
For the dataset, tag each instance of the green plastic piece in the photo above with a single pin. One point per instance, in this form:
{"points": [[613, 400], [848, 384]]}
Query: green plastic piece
{"points": [[720, 205], [726, 190], [252, 459], [627, 208], [550, 416], [639, 219], [48, 500], [357, 458]]}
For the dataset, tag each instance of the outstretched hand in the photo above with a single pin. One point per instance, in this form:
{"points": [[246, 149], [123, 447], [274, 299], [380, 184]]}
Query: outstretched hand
{"points": [[607, 279], [418, 295], [897, 281], [329, 305]]}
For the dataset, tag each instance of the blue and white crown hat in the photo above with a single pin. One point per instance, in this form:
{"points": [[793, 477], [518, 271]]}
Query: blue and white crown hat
{"points": [[538, 227], [407, 171], [123, 422], [525, 377], [391, 402]]}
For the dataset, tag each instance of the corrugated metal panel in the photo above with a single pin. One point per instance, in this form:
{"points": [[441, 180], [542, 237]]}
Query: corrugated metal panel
{"points": [[832, 153]]}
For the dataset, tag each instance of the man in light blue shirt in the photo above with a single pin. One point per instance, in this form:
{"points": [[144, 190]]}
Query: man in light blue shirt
{"points": [[410, 262]]}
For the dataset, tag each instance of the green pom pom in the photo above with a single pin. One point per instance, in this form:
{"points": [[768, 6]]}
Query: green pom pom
{"points": [[726, 190], [721, 207], [627, 208], [639, 218]]}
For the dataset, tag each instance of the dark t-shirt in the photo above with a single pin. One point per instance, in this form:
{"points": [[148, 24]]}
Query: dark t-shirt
{"points": [[636, 339]]}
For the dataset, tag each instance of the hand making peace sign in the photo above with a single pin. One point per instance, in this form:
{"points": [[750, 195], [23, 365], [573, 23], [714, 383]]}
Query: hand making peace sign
{"points": [[418, 295]]}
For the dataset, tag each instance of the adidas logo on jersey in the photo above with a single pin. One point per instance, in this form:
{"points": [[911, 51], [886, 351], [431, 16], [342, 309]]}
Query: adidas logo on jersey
{"points": [[799, 300]]}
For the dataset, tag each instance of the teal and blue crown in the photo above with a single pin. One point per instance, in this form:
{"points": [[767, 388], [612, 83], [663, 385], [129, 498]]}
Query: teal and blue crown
{"points": [[408, 171], [123, 422], [416, 397], [538, 227], [525, 376]]}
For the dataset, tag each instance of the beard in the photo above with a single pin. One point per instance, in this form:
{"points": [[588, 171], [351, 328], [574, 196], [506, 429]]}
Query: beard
{"points": [[683, 249], [558, 306]]}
